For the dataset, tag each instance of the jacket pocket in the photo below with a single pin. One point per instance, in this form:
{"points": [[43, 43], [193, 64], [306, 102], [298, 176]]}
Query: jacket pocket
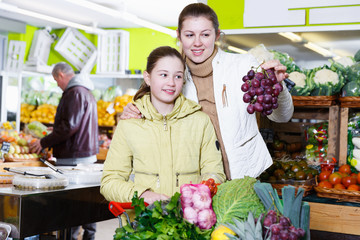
{"points": [[147, 179], [187, 177], [245, 141]]}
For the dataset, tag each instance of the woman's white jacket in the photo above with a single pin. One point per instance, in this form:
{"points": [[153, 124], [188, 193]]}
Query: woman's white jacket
{"points": [[246, 150]]}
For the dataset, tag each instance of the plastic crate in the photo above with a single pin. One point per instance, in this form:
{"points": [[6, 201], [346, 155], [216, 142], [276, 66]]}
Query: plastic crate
{"points": [[16, 53], [77, 49], [113, 49], [40, 47]]}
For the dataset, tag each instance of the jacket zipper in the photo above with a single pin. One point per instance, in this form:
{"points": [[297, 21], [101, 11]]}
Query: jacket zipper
{"points": [[154, 174], [177, 176], [165, 123]]}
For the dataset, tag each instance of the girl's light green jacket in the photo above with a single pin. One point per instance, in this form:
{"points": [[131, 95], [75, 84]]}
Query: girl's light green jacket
{"points": [[163, 152]]}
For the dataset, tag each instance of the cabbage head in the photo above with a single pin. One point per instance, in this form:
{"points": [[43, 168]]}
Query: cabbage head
{"points": [[235, 199]]}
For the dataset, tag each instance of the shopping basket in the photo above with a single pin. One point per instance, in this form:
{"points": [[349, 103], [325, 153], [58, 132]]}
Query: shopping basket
{"points": [[117, 209]]}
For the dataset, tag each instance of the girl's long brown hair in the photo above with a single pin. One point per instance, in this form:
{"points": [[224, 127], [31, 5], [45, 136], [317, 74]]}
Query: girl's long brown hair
{"points": [[154, 57]]}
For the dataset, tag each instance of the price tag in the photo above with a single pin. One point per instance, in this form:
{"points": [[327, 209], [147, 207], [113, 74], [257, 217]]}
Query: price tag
{"points": [[5, 147], [110, 109]]}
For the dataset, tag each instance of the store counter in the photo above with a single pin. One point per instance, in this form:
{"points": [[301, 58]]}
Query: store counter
{"points": [[40, 211], [330, 215]]}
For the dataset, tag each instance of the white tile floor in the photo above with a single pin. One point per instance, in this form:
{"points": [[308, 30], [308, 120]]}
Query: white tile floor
{"points": [[105, 230]]}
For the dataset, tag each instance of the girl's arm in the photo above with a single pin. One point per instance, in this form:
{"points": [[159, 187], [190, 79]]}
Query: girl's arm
{"points": [[115, 184]]}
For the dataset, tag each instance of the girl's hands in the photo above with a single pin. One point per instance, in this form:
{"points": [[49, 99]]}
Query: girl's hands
{"points": [[130, 111], [150, 197], [280, 70]]}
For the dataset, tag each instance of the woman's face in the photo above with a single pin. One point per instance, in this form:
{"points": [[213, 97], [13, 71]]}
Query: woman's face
{"points": [[198, 38], [165, 81]]}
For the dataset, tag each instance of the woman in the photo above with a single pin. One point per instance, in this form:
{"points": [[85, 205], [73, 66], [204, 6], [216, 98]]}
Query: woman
{"points": [[214, 78], [174, 143]]}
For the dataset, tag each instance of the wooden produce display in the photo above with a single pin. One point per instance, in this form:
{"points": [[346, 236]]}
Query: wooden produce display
{"points": [[347, 104], [310, 108]]}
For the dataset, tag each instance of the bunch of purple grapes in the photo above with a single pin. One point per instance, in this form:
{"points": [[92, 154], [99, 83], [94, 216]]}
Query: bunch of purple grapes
{"points": [[280, 227], [261, 91]]}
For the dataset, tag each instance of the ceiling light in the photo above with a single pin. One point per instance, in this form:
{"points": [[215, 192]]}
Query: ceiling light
{"points": [[235, 49], [292, 36], [14, 9], [318, 49], [123, 15]]}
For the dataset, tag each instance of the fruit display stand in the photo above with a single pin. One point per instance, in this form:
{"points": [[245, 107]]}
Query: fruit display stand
{"points": [[326, 214], [347, 104], [310, 108], [330, 215]]}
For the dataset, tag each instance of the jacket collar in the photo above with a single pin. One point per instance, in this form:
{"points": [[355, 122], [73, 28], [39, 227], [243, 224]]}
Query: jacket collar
{"points": [[182, 108]]}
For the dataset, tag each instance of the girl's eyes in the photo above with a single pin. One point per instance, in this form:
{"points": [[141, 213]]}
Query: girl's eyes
{"points": [[179, 77], [163, 74]]}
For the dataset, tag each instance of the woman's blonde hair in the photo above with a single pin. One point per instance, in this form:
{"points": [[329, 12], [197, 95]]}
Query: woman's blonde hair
{"points": [[154, 57]]}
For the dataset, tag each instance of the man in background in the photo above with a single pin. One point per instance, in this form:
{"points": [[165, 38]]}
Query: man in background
{"points": [[74, 138]]}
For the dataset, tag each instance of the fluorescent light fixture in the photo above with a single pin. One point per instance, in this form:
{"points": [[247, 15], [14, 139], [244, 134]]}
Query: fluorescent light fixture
{"points": [[292, 36], [14, 9], [318, 49], [235, 49], [123, 15]]}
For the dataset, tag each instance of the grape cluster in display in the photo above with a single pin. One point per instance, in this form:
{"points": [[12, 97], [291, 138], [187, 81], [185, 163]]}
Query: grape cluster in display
{"points": [[280, 227], [261, 91]]}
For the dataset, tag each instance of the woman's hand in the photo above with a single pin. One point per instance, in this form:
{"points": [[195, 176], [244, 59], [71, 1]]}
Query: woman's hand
{"points": [[150, 197], [280, 70], [35, 147], [130, 111]]}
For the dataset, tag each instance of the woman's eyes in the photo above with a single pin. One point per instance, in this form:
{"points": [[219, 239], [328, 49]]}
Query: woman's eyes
{"points": [[204, 35]]}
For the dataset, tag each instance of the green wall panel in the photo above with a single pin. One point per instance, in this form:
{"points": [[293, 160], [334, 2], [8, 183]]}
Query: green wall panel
{"points": [[142, 42], [230, 13]]}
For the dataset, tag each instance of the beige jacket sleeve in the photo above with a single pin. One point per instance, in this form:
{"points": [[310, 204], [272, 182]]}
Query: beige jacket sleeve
{"points": [[211, 164], [115, 183]]}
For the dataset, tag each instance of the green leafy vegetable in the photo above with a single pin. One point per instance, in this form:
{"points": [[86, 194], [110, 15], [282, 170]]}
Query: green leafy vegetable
{"points": [[235, 199], [162, 220], [357, 56], [286, 60]]}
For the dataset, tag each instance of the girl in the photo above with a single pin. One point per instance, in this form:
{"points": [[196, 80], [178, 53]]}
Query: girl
{"points": [[172, 144], [213, 79]]}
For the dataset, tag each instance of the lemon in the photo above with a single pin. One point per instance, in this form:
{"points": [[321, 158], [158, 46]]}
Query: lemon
{"points": [[219, 233]]}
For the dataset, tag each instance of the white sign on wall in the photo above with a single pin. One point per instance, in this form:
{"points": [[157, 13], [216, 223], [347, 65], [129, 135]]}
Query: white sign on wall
{"points": [[290, 13]]}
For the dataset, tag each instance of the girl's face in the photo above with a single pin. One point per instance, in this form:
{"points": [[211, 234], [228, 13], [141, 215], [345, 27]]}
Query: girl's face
{"points": [[198, 38], [165, 81]]}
